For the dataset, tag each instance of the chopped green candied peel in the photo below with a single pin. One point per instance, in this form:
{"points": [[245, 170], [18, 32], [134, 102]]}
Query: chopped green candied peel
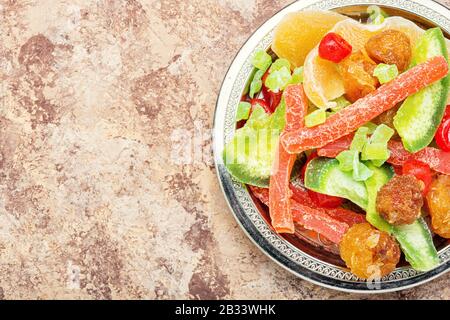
{"points": [[360, 139], [262, 60], [349, 162], [375, 151], [341, 103], [345, 159], [360, 171], [247, 85], [278, 64], [378, 163], [297, 76], [256, 84], [279, 79], [382, 134], [243, 111], [371, 127], [315, 118], [418, 118], [258, 118], [385, 72], [363, 148], [282, 103], [376, 14]]}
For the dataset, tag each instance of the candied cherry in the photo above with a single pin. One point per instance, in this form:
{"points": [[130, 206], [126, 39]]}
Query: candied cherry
{"points": [[334, 48], [443, 133], [421, 171]]}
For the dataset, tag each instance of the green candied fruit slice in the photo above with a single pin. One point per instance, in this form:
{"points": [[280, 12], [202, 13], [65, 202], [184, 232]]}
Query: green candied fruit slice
{"points": [[279, 79], [259, 119], [297, 75], [385, 72], [371, 127], [345, 159], [417, 244], [419, 117], [262, 60], [324, 176], [360, 139], [382, 134], [243, 111], [379, 163], [315, 118], [341, 103], [360, 171], [248, 157], [278, 64], [375, 151], [256, 84]]}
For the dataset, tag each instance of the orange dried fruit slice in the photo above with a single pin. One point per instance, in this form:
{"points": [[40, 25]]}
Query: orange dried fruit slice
{"points": [[299, 32]]}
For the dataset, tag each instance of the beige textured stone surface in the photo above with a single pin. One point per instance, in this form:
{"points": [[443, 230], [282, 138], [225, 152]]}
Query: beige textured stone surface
{"points": [[91, 204]]}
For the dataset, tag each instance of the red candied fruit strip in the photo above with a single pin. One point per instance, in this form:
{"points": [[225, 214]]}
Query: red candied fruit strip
{"points": [[279, 191], [349, 217], [332, 223], [318, 220], [302, 196], [365, 109]]}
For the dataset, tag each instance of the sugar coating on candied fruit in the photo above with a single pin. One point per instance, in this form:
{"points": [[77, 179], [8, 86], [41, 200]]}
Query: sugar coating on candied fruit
{"points": [[368, 252], [400, 201], [438, 200], [390, 47]]}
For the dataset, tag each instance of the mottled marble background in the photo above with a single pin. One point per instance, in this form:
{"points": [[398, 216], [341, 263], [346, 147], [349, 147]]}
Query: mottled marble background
{"points": [[93, 201]]}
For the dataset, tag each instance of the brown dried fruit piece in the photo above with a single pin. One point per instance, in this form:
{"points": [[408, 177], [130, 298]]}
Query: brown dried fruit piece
{"points": [[390, 47], [439, 205], [357, 74], [387, 117], [399, 201], [368, 252]]}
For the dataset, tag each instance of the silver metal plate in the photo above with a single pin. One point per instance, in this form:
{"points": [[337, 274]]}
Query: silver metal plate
{"points": [[303, 259]]}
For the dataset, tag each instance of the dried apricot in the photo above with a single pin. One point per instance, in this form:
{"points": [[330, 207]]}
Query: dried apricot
{"points": [[368, 252], [439, 204], [323, 83], [399, 201], [390, 47], [357, 75]]}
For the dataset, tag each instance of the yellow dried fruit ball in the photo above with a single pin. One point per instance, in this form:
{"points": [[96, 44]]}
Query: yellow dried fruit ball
{"points": [[438, 199], [368, 252]]}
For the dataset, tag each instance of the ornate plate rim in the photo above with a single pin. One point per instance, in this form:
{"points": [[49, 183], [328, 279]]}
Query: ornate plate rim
{"points": [[239, 200]]}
